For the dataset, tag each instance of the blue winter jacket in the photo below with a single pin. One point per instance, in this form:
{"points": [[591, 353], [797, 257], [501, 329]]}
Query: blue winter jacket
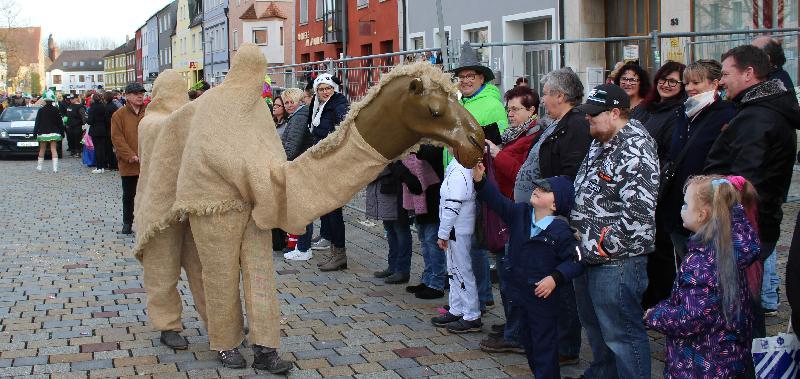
{"points": [[529, 260], [333, 113]]}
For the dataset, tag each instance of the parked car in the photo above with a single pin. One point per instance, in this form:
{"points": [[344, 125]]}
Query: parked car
{"points": [[16, 132]]}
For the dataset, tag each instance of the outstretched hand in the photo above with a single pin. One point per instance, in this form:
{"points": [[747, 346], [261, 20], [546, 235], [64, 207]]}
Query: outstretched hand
{"points": [[478, 171]]}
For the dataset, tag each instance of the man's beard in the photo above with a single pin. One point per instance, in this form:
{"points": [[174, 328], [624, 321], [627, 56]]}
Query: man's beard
{"points": [[602, 136]]}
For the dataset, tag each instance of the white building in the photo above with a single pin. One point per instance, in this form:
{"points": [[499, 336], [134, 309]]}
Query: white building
{"points": [[76, 71]]}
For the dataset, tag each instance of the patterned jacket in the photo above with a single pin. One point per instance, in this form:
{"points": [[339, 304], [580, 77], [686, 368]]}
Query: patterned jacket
{"points": [[615, 196], [700, 344]]}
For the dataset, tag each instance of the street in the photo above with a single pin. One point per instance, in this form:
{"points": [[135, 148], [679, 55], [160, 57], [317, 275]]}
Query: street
{"points": [[72, 303]]}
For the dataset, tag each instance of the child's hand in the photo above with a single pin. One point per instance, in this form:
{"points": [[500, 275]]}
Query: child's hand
{"points": [[477, 172], [545, 287], [647, 313], [442, 244]]}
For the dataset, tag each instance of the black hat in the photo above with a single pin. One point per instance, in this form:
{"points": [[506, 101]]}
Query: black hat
{"points": [[69, 96], [469, 61], [605, 97], [134, 88], [563, 193]]}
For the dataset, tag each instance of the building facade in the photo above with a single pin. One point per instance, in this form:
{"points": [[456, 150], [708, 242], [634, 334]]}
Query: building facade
{"points": [[269, 24], [187, 43], [167, 18], [215, 37], [474, 21], [22, 61], [150, 51], [76, 71]]}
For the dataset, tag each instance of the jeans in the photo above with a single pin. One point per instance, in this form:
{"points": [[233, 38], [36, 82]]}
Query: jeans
{"points": [[513, 316], [569, 325], [771, 281], [480, 267], [128, 195], [398, 234], [609, 300], [435, 272], [304, 241], [333, 228]]}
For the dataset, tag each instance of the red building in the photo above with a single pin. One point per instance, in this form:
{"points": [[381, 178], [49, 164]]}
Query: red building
{"points": [[328, 28], [138, 58]]}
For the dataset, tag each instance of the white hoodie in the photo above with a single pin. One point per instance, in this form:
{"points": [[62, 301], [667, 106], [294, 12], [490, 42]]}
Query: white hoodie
{"points": [[457, 205]]}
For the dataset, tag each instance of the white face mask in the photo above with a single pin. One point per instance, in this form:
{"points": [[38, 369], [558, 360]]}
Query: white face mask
{"points": [[698, 102]]}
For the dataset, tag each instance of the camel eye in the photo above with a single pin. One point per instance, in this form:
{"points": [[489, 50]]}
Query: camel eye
{"points": [[434, 112]]}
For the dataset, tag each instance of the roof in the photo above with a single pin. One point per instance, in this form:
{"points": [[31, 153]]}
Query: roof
{"points": [[262, 13], [22, 45], [126, 47], [79, 60]]}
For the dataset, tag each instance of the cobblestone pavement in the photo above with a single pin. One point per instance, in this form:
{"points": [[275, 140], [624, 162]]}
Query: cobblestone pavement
{"points": [[72, 305]]}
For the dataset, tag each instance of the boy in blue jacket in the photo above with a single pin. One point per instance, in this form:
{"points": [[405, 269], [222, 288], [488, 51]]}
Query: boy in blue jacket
{"points": [[541, 256]]}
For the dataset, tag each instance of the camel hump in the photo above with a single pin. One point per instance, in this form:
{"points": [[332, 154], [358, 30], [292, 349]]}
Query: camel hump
{"points": [[169, 88], [248, 66]]}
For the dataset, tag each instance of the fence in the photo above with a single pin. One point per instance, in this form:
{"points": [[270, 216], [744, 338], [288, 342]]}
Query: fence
{"points": [[532, 59]]}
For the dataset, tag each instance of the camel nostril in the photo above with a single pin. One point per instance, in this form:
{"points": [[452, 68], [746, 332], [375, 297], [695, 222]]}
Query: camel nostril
{"points": [[475, 143]]}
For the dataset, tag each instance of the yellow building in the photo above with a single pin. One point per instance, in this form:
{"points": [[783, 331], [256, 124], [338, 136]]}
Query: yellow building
{"points": [[187, 43]]}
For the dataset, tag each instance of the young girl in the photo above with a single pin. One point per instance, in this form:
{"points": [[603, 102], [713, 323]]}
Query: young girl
{"points": [[707, 319], [48, 129]]}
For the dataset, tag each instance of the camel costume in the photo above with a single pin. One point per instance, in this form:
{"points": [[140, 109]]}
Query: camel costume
{"points": [[234, 184], [162, 136]]}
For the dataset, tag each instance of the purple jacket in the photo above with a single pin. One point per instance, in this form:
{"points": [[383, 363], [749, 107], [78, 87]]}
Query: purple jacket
{"points": [[699, 342]]}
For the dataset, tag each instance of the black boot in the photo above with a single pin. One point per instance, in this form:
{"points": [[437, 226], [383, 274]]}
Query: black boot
{"points": [[266, 358], [174, 340], [126, 229], [232, 358]]}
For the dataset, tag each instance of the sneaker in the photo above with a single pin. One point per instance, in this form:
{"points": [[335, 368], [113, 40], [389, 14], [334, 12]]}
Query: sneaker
{"points": [[429, 293], [382, 274], [268, 359], [417, 288], [500, 345], [98, 171], [297, 255], [174, 340], [444, 319], [232, 358], [397, 278], [770, 312], [322, 244], [568, 361], [465, 326]]}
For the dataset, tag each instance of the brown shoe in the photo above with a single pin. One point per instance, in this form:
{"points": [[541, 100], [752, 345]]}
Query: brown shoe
{"points": [[338, 260], [500, 345], [325, 258]]}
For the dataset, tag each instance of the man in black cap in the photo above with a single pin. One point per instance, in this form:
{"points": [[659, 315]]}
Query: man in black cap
{"points": [[125, 136], [615, 202], [76, 117]]}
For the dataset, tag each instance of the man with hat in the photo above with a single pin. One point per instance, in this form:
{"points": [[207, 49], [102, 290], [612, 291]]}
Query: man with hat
{"points": [[484, 101], [125, 137], [76, 117], [615, 202]]}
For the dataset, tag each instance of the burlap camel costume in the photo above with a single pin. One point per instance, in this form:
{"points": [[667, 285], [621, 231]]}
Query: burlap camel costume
{"points": [[234, 184]]}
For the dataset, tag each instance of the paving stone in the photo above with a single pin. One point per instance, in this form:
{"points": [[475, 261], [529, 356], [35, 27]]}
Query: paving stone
{"points": [[310, 354], [135, 361], [28, 361], [311, 363], [415, 372], [341, 360], [69, 358], [92, 365], [394, 364]]}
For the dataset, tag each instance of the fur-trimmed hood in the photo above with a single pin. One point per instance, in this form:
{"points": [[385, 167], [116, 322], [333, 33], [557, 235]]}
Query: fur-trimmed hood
{"points": [[773, 94]]}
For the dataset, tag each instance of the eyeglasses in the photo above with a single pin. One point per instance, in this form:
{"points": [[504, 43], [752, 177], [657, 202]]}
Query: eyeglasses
{"points": [[515, 109], [669, 83], [321, 89], [277, 106], [467, 77], [626, 79]]}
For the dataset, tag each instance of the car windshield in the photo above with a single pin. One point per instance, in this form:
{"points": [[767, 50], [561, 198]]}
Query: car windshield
{"points": [[19, 114]]}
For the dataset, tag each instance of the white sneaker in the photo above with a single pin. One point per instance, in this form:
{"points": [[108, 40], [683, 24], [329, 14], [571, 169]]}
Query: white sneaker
{"points": [[322, 244], [297, 255], [98, 171]]}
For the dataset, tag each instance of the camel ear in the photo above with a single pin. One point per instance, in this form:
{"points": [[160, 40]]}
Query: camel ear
{"points": [[416, 87]]}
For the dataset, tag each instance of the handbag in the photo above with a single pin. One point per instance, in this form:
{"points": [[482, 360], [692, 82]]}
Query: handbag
{"points": [[777, 357], [495, 230]]}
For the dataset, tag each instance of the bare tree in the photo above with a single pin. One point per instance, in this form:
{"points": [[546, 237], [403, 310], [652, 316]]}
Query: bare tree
{"points": [[100, 43]]}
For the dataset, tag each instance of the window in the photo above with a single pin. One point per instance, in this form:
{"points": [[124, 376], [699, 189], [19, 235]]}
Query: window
{"points": [[362, 3], [417, 43], [260, 36], [81, 64], [56, 79], [235, 39], [319, 10], [303, 12], [72, 78], [91, 78], [99, 78], [194, 42], [74, 64], [480, 36], [281, 34]]}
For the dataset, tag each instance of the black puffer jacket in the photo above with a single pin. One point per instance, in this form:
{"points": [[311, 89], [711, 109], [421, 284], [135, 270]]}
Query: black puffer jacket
{"points": [[98, 121], [663, 118], [296, 137], [76, 115], [48, 120], [332, 114], [759, 144]]}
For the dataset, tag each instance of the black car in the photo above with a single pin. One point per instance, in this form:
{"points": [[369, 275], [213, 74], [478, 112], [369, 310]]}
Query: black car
{"points": [[16, 132]]}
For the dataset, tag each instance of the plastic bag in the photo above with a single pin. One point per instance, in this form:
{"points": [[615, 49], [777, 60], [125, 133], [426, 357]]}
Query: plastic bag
{"points": [[777, 357]]}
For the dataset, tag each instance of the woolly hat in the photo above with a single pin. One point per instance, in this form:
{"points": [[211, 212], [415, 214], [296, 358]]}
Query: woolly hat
{"points": [[469, 61], [49, 95], [325, 79], [563, 193]]}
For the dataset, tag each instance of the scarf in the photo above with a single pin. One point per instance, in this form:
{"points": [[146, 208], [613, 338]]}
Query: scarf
{"points": [[514, 132], [317, 112], [698, 102]]}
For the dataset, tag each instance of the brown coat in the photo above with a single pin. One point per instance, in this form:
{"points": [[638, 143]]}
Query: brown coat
{"points": [[125, 136]]}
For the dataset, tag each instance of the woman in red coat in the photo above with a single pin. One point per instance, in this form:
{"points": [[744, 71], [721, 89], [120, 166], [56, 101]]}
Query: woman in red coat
{"points": [[521, 105]]}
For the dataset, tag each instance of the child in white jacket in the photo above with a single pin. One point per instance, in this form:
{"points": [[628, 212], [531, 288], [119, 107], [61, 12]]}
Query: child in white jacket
{"points": [[456, 226]]}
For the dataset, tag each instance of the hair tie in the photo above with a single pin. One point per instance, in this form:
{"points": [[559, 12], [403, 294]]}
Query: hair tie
{"points": [[737, 181], [716, 182]]}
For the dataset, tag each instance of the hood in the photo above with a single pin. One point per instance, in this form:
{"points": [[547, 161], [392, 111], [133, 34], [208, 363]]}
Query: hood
{"points": [[489, 90], [772, 94]]}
